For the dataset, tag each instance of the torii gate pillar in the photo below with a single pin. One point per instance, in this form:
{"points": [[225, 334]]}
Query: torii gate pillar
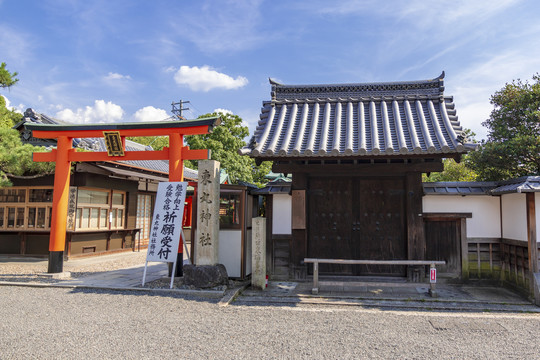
{"points": [[60, 205]]}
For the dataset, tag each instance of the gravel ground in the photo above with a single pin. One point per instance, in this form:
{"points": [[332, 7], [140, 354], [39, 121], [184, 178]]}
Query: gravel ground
{"points": [[30, 269], [54, 323]]}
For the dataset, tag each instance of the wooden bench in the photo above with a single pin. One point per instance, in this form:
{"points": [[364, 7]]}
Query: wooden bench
{"points": [[431, 263]]}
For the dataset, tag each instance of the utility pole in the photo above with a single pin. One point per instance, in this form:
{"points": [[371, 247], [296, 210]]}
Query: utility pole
{"points": [[177, 111]]}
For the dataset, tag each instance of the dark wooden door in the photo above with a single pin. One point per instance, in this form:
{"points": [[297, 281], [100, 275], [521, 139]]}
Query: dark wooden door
{"points": [[379, 224], [330, 212], [357, 218], [443, 242]]}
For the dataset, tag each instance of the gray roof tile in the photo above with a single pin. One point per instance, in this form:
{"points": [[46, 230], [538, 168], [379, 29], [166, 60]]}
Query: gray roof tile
{"points": [[520, 185], [400, 118]]}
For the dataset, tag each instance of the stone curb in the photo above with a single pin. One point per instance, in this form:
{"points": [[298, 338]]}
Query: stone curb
{"points": [[426, 300], [393, 303], [202, 293], [231, 294]]}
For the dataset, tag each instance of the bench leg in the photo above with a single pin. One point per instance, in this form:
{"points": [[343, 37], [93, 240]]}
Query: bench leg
{"points": [[315, 289]]}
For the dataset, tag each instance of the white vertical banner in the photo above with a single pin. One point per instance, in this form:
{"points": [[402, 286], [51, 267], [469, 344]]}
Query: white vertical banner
{"points": [[166, 227]]}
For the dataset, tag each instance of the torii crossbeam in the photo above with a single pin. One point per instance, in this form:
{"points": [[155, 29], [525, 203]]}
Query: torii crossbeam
{"points": [[64, 154]]}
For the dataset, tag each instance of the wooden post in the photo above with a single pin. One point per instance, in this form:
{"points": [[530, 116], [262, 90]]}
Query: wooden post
{"points": [[57, 242], [464, 250], [299, 243], [532, 233], [416, 242]]}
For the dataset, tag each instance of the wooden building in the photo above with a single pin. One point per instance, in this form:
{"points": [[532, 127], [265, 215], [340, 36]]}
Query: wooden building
{"points": [[356, 153]]}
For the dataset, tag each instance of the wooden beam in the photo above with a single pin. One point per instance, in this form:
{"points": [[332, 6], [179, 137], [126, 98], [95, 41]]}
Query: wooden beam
{"points": [[103, 156], [188, 154], [357, 169]]}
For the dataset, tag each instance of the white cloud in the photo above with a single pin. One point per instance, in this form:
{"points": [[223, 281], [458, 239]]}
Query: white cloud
{"points": [[19, 108], [170, 69], [115, 76], [150, 113], [223, 111], [100, 112], [206, 79]]}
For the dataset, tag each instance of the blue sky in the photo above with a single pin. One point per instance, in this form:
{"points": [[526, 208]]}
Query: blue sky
{"points": [[111, 61]]}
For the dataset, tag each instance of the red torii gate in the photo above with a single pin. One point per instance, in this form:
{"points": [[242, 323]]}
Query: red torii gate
{"points": [[64, 154]]}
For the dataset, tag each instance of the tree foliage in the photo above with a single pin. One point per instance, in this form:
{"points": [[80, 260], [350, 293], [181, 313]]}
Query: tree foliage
{"points": [[15, 158], [156, 142], [8, 117], [453, 171], [224, 143], [7, 79], [512, 148]]}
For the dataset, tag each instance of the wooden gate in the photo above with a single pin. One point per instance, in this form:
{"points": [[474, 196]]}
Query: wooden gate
{"points": [[357, 218], [443, 242]]}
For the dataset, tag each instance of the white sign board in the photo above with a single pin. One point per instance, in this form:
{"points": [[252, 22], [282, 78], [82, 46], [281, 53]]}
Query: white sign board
{"points": [[166, 225], [432, 275]]}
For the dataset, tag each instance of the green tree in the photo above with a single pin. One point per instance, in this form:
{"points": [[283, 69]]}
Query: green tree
{"points": [[8, 117], [512, 148], [15, 158], [224, 143], [7, 79], [453, 171], [156, 142]]}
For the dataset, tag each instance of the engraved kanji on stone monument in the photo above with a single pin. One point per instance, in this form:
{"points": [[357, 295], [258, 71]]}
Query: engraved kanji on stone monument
{"points": [[207, 244]]}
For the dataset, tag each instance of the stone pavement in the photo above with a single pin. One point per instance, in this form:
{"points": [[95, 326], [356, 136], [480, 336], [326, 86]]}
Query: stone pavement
{"points": [[124, 278], [391, 293]]}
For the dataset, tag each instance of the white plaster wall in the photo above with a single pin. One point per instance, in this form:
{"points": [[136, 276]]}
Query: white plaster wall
{"points": [[485, 209], [230, 251], [537, 203], [282, 214], [514, 216]]}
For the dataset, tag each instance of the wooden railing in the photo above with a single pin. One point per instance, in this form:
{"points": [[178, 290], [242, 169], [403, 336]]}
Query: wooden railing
{"points": [[316, 262]]}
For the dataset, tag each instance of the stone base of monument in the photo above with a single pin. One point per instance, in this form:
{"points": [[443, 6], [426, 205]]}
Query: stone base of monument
{"points": [[205, 276]]}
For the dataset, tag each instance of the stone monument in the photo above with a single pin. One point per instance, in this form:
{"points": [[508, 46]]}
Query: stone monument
{"points": [[207, 236], [258, 254]]}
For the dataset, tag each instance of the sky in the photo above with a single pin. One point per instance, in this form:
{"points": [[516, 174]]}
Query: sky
{"points": [[128, 60]]}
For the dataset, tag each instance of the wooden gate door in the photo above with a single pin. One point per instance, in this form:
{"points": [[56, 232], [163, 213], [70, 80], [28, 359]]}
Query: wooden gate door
{"points": [[357, 218], [443, 242], [330, 211], [379, 224]]}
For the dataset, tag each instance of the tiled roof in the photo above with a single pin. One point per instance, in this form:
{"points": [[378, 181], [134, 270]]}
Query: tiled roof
{"points": [[274, 187], [379, 119], [458, 188], [520, 185]]}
